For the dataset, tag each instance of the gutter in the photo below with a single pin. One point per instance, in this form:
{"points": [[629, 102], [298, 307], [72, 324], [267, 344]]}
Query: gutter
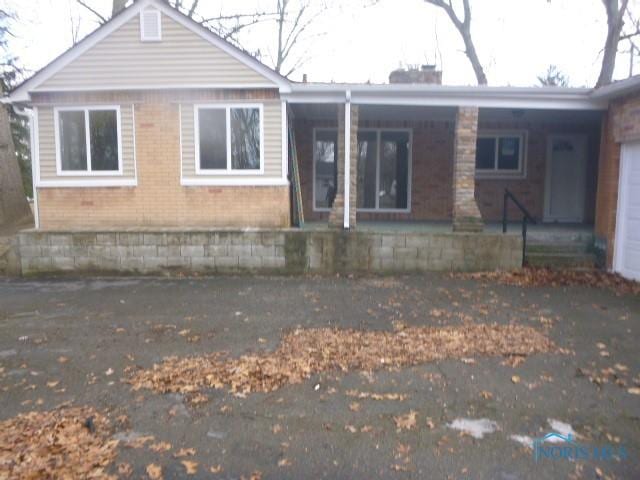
{"points": [[552, 98], [617, 89]]}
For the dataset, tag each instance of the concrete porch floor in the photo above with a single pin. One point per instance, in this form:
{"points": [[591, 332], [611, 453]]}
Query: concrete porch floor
{"points": [[539, 230]]}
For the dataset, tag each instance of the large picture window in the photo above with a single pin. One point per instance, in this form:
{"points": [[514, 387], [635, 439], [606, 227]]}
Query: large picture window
{"points": [[500, 154], [88, 141], [229, 139], [384, 165]]}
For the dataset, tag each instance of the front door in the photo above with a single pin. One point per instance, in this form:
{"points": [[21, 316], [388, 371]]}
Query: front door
{"points": [[566, 178], [627, 244]]}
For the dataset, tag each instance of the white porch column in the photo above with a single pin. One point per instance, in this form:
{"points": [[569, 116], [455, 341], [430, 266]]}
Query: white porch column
{"points": [[343, 212], [347, 160]]}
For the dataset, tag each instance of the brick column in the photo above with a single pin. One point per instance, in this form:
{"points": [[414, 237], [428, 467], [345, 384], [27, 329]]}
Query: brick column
{"points": [[336, 216], [466, 215]]}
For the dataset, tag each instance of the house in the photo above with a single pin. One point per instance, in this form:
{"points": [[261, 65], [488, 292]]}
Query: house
{"points": [[154, 124]]}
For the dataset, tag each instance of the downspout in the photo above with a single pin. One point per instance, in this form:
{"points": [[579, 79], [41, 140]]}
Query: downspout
{"points": [[347, 158], [34, 161]]}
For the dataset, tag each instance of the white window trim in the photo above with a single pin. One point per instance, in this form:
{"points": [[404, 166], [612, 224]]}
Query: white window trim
{"points": [[146, 38], [495, 173], [196, 134], [88, 172], [377, 208]]}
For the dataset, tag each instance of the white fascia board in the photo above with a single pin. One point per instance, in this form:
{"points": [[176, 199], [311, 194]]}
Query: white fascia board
{"points": [[617, 89], [429, 95]]}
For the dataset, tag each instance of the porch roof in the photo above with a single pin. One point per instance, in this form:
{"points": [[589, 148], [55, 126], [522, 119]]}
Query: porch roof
{"points": [[555, 98]]}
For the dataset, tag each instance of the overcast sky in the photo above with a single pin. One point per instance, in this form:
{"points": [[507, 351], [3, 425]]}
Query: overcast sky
{"points": [[516, 39]]}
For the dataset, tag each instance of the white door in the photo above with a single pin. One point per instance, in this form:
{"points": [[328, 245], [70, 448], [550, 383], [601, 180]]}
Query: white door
{"points": [[566, 178], [627, 247]]}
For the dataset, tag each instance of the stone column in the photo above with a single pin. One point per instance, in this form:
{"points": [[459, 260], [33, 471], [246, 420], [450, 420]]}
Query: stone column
{"points": [[336, 216], [466, 215]]}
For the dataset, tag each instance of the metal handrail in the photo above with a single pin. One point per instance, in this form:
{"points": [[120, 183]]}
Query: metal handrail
{"points": [[526, 218]]}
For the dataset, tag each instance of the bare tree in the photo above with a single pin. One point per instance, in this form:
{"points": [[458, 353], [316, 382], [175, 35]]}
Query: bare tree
{"points": [[463, 25], [293, 20], [615, 21]]}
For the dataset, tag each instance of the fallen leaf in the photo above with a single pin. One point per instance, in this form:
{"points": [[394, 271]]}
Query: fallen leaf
{"points": [[185, 452], [154, 471], [350, 428], [62, 359], [354, 406], [305, 352], [109, 372], [515, 379], [216, 469], [634, 390], [125, 469], [160, 447], [284, 462], [406, 421], [53, 383], [190, 467]]}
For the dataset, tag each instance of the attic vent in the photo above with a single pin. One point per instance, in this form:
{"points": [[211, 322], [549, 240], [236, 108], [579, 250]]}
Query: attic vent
{"points": [[150, 26]]}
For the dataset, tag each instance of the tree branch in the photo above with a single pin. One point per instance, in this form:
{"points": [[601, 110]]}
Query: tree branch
{"points": [[464, 29], [101, 18]]}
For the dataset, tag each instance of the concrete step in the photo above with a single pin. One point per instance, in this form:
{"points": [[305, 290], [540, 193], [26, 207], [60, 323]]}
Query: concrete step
{"points": [[561, 260]]}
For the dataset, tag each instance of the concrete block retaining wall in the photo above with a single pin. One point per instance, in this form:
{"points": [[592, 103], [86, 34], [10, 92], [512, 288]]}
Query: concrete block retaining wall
{"points": [[267, 251]]}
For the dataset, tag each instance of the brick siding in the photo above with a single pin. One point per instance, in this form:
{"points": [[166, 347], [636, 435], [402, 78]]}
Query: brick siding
{"points": [[432, 169], [159, 199]]}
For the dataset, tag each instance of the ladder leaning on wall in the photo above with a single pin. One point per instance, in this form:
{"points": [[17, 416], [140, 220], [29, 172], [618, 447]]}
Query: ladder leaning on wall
{"points": [[297, 213]]}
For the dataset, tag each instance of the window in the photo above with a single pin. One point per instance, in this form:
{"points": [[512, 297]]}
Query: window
{"points": [[88, 141], [383, 169], [500, 154], [229, 139], [325, 154]]}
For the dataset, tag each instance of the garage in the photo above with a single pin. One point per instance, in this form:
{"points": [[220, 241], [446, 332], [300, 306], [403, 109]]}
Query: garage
{"points": [[627, 246]]}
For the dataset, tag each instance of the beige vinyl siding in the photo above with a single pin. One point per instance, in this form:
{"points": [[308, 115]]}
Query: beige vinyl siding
{"points": [[272, 111], [182, 58], [47, 146]]}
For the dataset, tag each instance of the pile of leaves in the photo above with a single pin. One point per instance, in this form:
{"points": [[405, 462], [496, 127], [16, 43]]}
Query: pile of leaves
{"points": [[541, 277], [304, 352], [63, 443]]}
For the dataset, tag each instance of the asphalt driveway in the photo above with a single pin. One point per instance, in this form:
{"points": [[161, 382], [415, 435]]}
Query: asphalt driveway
{"points": [[75, 340]]}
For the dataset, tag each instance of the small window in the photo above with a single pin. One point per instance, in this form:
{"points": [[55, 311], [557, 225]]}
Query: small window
{"points": [[229, 139], [88, 141], [500, 154], [150, 26]]}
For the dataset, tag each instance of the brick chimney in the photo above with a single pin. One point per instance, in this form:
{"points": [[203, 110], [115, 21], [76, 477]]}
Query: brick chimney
{"points": [[415, 74]]}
